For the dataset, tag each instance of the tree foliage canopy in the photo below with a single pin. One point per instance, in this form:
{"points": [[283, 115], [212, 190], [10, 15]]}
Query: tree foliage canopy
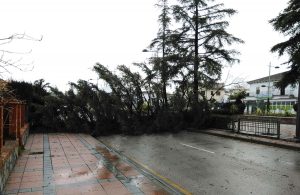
{"points": [[205, 39], [288, 23]]}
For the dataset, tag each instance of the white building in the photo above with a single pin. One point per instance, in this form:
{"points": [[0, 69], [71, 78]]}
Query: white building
{"points": [[281, 100], [216, 92]]}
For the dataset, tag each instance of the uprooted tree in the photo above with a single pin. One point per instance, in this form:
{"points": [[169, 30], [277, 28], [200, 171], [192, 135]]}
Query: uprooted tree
{"points": [[193, 54]]}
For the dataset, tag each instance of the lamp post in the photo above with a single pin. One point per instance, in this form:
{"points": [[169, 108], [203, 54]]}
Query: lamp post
{"points": [[163, 75], [146, 50], [269, 86], [156, 53], [297, 137]]}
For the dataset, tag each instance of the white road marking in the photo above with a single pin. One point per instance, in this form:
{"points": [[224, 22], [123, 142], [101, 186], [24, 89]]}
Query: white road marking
{"points": [[286, 162], [197, 148]]}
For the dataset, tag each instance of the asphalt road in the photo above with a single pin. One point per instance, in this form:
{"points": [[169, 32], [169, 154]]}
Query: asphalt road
{"points": [[206, 164]]}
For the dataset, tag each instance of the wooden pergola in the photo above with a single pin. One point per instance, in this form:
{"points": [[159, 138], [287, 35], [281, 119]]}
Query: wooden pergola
{"points": [[12, 121]]}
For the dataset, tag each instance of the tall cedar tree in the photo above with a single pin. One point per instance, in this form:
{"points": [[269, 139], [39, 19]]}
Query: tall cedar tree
{"points": [[161, 43], [288, 23], [203, 33]]}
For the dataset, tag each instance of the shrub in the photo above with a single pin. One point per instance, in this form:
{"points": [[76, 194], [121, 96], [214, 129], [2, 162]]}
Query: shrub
{"points": [[259, 112], [233, 109]]}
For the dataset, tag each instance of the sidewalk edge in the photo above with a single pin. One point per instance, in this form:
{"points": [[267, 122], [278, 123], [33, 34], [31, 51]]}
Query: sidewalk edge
{"points": [[249, 139]]}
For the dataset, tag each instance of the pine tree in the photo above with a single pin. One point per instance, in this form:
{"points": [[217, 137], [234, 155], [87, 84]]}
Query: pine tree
{"points": [[203, 35], [160, 42], [288, 23]]}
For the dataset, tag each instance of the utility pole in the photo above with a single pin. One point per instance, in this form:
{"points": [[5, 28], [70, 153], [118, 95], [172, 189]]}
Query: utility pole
{"points": [[268, 101], [269, 86]]}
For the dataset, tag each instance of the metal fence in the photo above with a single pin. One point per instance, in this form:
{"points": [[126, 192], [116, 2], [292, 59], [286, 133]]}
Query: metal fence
{"points": [[265, 126], [262, 126]]}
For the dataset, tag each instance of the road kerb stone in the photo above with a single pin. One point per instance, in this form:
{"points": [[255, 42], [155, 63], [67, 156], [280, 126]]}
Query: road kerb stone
{"points": [[254, 139]]}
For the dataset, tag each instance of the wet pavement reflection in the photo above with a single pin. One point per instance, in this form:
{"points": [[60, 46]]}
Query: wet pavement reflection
{"points": [[79, 164]]}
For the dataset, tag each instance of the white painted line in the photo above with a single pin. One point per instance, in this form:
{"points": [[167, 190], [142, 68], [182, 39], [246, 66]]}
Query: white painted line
{"points": [[197, 148], [286, 162]]}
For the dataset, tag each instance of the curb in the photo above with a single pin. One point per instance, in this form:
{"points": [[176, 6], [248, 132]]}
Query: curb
{"points": [[171, 186], [252, 139]]}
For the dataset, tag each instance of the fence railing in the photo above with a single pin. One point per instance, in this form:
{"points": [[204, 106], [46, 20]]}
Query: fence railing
{"points": [[255, 125]]}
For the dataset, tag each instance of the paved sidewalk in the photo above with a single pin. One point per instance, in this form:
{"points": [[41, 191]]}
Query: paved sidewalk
{"points": [[282, 143], [287, 131], [74, 164]]}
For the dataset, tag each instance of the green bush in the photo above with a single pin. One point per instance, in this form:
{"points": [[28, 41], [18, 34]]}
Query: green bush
{"points": [[233, 109], [259, 112]]}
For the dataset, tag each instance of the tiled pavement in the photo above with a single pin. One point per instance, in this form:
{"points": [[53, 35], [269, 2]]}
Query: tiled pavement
{"points": [[74, 164]]}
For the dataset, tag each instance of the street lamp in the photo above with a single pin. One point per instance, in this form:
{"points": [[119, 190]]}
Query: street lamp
{"points": [[146, 50], [269, 85], [163, 74], [94, 80]]}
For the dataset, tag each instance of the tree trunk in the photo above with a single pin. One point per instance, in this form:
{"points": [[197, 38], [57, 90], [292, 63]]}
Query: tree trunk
{"points": [[165, 87], [298, 114], [196, 61], [164, 68], [164, 75]]}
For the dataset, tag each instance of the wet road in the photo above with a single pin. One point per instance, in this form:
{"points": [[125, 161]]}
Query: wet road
{"points": [[205, 164]]}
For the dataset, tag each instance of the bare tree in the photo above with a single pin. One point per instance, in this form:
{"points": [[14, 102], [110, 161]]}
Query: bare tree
{"points": [[6, 60]]}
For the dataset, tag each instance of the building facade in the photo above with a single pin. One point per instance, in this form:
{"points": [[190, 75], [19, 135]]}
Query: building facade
{"points": [[216, 92], [281, 100]]}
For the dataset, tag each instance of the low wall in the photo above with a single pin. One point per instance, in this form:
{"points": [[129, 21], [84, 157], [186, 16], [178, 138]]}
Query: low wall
{"points": [[288, 120], [220, 121], [283, 120], [8, 159], [24, 134], [10, 155]]}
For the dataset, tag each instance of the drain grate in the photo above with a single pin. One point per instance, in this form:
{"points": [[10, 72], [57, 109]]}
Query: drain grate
{"points": [[35, 153]]}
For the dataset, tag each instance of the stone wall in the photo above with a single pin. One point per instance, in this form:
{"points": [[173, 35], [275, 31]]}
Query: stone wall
{"points": [[9, 156]]}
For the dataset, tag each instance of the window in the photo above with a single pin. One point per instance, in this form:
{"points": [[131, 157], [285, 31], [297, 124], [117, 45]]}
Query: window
{"points": [[257, 90], [282, 91]]}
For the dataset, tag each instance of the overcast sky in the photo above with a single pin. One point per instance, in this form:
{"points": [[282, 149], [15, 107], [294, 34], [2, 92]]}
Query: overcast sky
{"points": [[79, 33]]}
